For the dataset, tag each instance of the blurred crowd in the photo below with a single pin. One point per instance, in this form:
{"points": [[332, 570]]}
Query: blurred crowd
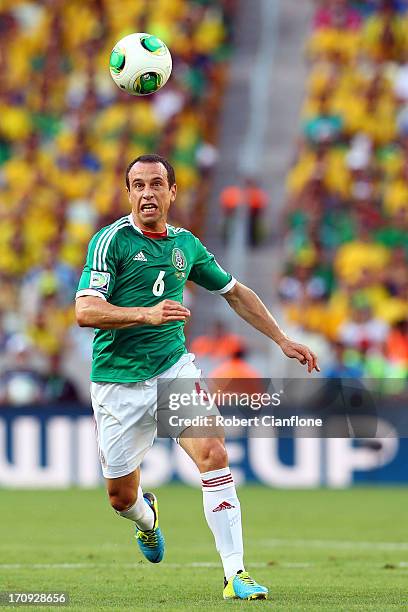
{"points": [[346, 241], [66, 135], [223, 354]]}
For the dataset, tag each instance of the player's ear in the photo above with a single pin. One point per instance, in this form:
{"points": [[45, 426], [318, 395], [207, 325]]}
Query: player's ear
{"points": [[128, 192], [173, 192]]}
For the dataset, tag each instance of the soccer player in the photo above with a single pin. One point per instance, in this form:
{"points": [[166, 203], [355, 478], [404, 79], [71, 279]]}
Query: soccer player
{"points": [[131, 292]]}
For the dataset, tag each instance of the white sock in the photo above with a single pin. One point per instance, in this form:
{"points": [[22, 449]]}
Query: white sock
{"points": [[223, 513], [141, 513]]}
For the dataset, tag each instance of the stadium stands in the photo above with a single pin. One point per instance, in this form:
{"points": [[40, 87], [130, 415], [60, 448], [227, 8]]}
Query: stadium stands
{"points": [[347, 211], [67, 134]]}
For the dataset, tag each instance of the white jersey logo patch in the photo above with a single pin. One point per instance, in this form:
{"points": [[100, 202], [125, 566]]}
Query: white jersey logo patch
{"points": [[99, 280], [140, 257]]}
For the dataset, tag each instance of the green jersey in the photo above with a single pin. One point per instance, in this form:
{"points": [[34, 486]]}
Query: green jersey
{"points": [[128, 268]]}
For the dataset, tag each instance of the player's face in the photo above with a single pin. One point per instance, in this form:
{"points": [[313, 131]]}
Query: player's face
{"points": [[150, 195]]}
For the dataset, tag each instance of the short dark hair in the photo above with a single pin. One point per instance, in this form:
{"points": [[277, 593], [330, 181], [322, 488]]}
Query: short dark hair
{"points": [[152, 158]]}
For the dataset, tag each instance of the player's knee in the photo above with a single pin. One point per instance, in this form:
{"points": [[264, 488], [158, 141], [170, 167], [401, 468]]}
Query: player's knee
{"points": [[213, 456], [122, 500]]}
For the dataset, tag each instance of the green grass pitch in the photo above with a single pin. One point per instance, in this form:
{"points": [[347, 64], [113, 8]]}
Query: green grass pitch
{"points": [[315, 550]]}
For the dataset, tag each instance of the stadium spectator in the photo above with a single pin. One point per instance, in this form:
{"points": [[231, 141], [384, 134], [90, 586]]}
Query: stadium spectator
{"points": [[400, 81], [361, 256], [301, 284], [397, 344], [51, 276], [363, 331], [395, 277], [236, 375], [219, 343], [384, 35], [337, 14], [236, 366], [231, 199], [256, 200], [345, 364], [21, 383], [47, 328], [57, 387], [322, 124]]}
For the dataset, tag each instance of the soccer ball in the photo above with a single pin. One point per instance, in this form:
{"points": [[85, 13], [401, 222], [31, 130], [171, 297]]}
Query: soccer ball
{"points": [[140, 64]]}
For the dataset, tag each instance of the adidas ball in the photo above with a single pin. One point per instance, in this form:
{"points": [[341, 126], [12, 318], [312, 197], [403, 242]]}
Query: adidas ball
{"points": [[140, 64]]}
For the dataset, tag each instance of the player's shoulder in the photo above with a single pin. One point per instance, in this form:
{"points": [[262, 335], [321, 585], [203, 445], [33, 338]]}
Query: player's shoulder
{"points": [[172, 230], [182, 234], [109, 232], [185, 240]]}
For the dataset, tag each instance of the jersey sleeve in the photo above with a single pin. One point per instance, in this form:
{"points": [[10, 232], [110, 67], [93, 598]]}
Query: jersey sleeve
{"points": [[99, 273], [208, 273]]}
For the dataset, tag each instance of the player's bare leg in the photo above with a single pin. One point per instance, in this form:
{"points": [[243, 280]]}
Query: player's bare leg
{"points": [[127, 498], [223, 513], [123, 491]]}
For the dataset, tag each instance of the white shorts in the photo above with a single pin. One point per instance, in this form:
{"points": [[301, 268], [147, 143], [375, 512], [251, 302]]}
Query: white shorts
{"points": [[125, 417]]}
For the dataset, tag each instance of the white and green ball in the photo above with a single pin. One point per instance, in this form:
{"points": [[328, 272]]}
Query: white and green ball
{"points": [[140, 64]]}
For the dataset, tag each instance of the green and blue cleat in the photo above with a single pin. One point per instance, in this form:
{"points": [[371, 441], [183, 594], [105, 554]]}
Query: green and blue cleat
{"points": [[151, 542], [242, 586]]}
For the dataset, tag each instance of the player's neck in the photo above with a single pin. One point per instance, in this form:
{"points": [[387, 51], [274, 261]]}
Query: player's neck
{"points": [[157, 228], [156, 235]]}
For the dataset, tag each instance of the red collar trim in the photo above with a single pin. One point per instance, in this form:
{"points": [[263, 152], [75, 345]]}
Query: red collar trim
{"points": [[155, 235]]}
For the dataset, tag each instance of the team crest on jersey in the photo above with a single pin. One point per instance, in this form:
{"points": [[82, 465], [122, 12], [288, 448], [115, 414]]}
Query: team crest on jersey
{"points": [[99, 281], [178, 259]]}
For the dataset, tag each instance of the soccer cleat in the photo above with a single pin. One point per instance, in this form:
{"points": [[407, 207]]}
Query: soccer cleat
{"points": [[151, 542], [242, 586]]}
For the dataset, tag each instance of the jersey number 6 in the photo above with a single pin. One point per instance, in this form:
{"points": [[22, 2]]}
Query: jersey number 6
{"points": [[158, 287]]}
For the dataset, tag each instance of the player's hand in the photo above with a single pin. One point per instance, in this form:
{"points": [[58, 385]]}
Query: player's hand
{"points": [[166, 311], [302, 353]]}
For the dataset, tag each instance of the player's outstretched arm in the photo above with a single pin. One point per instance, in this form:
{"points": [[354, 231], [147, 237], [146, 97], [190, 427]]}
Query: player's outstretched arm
{"points": [[91, 311], [250, 307]]}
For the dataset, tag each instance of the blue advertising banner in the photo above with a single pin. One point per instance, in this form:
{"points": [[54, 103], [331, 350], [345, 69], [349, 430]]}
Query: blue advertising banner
{"points": [[55, 447]]}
